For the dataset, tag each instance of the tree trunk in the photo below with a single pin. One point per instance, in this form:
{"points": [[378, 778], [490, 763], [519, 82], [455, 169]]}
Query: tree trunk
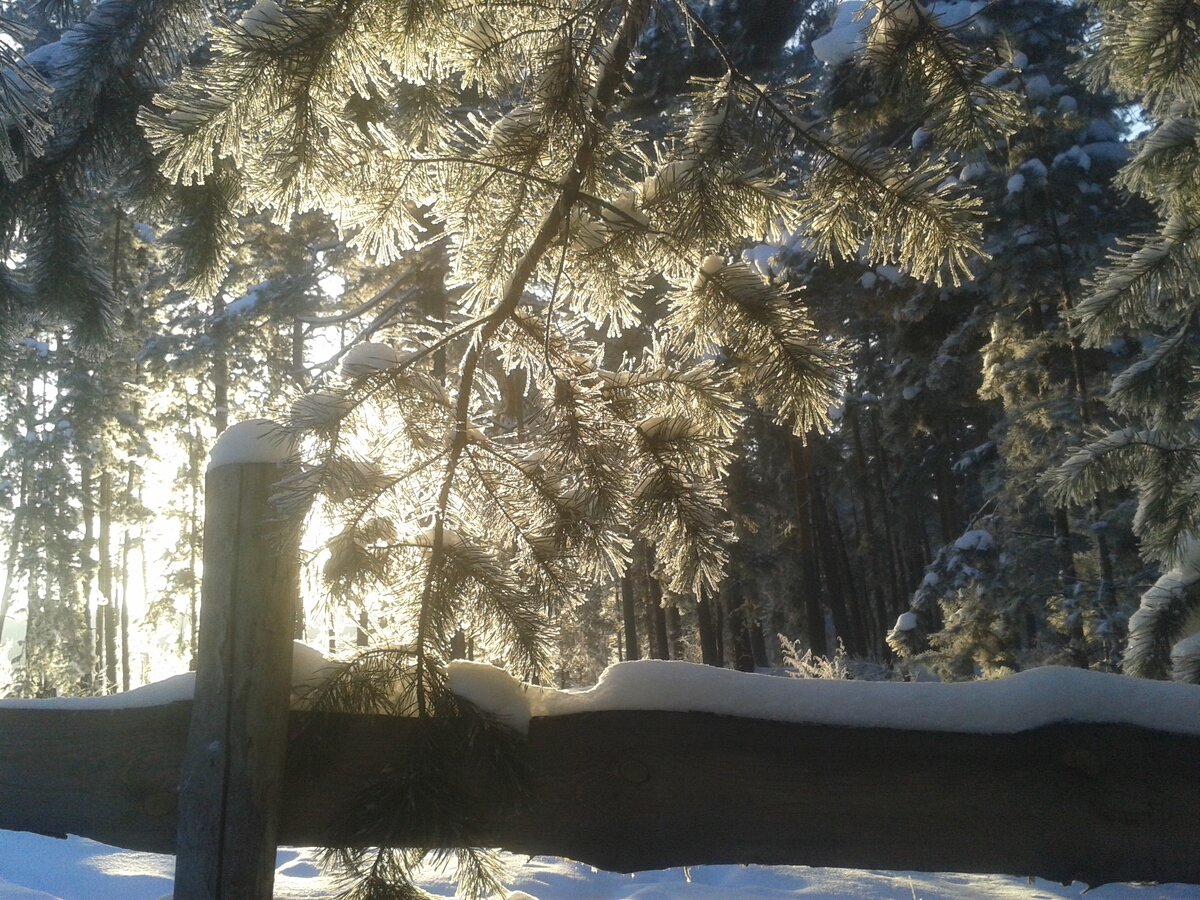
{"points": [[87, 561], [14, 548], [810, 578], [193, 538], [859, 594], [629, 617], [870, 539], [658, 614], [895, 559], [675, 631], [98, 673], [108, 601], [1068, 582], [710, 651], [947, 498], [123, 611], [739, 631], [849, 630], [220, 366], [758, 640]]}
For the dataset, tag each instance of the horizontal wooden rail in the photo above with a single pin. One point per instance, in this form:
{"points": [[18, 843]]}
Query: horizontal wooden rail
{"points": [[631, 790]]}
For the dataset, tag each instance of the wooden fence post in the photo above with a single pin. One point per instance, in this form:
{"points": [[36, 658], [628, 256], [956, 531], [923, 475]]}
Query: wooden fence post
{"points": [[231, 782]]}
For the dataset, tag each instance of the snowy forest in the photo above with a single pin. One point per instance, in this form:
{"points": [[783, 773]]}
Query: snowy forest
{"points": [[843, 340]]}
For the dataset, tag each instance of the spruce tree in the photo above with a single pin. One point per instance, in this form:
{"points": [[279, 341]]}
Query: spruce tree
{"points": [[1149, 53], [963, 396]]}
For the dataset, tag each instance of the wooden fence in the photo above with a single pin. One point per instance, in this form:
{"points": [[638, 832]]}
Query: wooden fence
{"points": [[225, 778]]}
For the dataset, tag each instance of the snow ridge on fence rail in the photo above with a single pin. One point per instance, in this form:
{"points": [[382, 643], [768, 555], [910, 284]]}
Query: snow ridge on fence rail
{"points": [[1017, 703]]}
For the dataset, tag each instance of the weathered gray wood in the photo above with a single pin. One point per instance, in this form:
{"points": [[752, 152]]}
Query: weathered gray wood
{"points": [[637, 790], [231, 783]]}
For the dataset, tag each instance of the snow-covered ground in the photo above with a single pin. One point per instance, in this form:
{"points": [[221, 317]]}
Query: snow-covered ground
{"points": [[33, 867]]}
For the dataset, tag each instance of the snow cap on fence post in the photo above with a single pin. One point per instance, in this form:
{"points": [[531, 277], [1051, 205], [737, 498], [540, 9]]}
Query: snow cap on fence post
{"points": [[230, 788], [251, 441]]}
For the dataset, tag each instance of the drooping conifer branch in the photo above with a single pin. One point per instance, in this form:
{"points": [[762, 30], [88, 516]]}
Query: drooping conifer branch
{"points": [[614, 58], [871, 201]]}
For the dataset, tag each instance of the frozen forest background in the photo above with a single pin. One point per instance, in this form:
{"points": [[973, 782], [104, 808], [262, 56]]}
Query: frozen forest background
{"points": [[855, 337]]}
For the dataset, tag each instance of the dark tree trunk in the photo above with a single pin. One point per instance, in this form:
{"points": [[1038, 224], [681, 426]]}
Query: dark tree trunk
{"points": [[629, 617], [1068, 581], [849, 630], [220, 366], [98, 655], [870, 539], [87, 562], [810, 576], [126, 544], [858, 595], [658, 617], [947, 498], [736, 619], [1106, 592], [710, 651], [718, 612], [194, 534], [106, 579], [895, 558], [758, 641]]}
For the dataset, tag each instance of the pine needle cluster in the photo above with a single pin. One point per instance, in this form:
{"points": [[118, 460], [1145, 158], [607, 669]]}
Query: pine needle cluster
{"points": [[564, 222], [458, 503]]}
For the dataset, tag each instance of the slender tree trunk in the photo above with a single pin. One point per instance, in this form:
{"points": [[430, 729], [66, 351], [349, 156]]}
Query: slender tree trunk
{"points": [[810, 577], [758, 640], [718, 613], [739, 633], [849, 630], [300, 376], [220, 366], [858, 595], [108, 601], [675, 631], [880, 576], [947, 498], [1068, 582], [193, 538], [124, 617], [629, 617], [658, 615], [98, 674], [894, 556], [1106, 594], [87, 561], [33, 621], [14, 549], [20, 516], [710, 651]]}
